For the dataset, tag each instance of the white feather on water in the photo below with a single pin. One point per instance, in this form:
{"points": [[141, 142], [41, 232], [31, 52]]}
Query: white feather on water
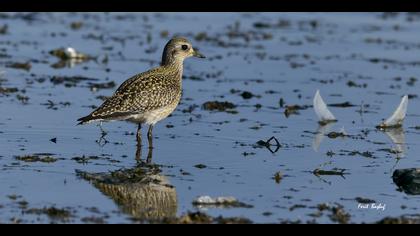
{"points": [[71, 53], [397, 118], [321, 109]]}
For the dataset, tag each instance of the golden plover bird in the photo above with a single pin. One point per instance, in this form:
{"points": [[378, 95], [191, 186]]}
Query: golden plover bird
{"points": [[150, 96]]}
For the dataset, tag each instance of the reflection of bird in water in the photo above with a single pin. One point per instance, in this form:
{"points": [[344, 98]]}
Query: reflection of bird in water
{"points": [[141, 192], [138, 153], [151, 96]]}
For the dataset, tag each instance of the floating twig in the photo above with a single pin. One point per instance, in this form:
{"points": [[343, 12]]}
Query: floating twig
{"points": [[268, 144], [340, 172]]}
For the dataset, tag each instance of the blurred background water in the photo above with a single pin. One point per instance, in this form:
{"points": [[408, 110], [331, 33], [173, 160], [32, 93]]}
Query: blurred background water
{"points": [[367, 59]]}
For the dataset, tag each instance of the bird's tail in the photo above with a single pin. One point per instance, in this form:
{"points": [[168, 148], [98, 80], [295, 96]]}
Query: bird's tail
{"points": [[113, 116], [85, 120]]}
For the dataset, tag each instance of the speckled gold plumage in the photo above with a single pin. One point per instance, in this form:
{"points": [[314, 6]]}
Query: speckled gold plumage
{"points": [[155, 92], [150, 96], [145, 92]]}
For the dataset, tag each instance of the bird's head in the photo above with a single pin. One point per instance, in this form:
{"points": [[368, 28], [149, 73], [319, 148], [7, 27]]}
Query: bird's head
{"points": [[177, 49]]}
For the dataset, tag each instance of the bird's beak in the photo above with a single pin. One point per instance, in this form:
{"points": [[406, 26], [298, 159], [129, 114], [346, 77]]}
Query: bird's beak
{"points": [[197, 54]]}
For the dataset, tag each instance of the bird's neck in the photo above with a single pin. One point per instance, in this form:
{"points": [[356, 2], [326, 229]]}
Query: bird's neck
{"points": [[175, 66], [172, 61]]}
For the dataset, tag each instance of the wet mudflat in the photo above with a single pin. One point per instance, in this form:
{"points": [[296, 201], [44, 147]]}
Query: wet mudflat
{"points": [[258, 82]]}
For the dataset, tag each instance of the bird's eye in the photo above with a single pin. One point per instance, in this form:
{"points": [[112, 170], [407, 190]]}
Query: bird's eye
{"points": [[184, 47]]}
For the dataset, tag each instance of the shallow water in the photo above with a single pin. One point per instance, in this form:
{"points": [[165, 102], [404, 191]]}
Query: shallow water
{"points": [[364, 59]]}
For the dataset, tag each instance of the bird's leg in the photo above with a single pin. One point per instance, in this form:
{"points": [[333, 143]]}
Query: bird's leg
{"points": [[149, 156], [138, 153], [102, 140], [103, 132], [138, 149], [138, 136], [150, 136]]}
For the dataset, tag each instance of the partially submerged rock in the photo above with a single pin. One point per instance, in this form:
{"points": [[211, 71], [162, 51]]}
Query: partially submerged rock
{"points": [[247, 95], [220, 106], [20, 65], [36, 158], [364, 200], [70, 81], [52, 212], [293, 109], [334, 171], [4, 90], [342, 105], [97, 86], [336, 212], [203, 218], [334, 134], [278, 176], [408, 180], [405, 219], [76, 25], [4, 29]]}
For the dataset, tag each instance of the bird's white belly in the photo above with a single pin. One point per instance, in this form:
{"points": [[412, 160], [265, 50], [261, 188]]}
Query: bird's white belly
{"points": [[154, 116]]}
